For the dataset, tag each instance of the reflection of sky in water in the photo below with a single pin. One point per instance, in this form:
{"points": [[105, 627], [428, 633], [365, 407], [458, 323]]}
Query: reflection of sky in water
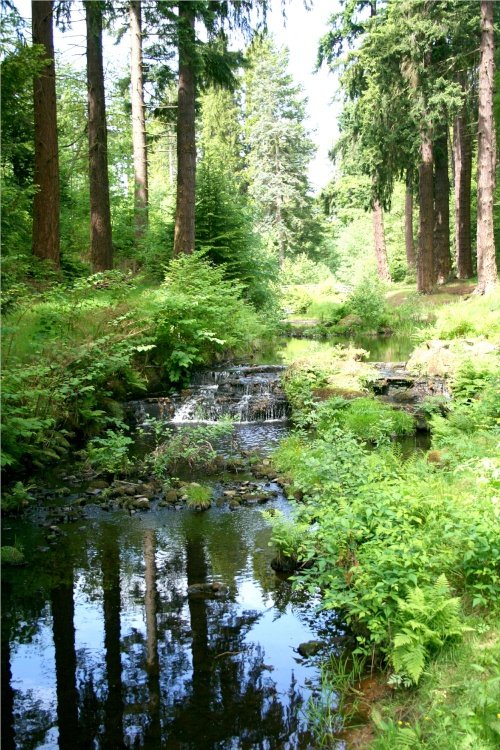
{"points": [[32, 666], [229, 542]]}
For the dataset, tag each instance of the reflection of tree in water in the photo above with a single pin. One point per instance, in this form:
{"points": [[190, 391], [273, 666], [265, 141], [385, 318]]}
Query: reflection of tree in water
{"points": [[189, 679], [231, 694]]}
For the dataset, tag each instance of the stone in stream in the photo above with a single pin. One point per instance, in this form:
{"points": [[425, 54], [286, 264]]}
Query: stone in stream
{"points": [[211, 589], [310, 648]]}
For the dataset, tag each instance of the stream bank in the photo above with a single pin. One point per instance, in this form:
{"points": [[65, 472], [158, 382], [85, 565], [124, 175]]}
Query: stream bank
{"points": [[161, 626]]}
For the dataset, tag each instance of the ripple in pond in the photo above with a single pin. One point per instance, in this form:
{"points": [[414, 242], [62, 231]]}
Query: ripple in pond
{"points": [[103, 647]]}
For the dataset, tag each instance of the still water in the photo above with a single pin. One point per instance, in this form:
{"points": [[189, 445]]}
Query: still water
{"points": [[103, 647]]}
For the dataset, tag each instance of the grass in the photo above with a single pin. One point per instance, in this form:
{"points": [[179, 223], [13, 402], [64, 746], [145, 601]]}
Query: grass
{"points": [[198, 497], [457, 704]]}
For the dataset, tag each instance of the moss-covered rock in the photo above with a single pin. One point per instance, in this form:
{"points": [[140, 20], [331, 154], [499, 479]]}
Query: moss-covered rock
{"points": [[11, 556]]}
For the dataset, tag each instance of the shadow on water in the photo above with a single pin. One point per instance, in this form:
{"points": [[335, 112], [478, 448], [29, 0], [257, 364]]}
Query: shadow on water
{"points": [[103, 646]]}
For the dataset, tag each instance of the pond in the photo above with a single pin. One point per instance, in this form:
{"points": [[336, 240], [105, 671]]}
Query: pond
{"points": [[396, 348], [103, 646]]}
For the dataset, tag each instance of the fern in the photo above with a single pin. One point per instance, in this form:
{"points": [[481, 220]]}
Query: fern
{"points": [[429, 617]]}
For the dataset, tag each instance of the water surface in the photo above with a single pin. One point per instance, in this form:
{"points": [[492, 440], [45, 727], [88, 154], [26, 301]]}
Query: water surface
{"points": [[103, 647]]}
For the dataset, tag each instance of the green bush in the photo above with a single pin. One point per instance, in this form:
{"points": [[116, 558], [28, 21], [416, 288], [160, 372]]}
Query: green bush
{"points": [[380, 528], [366, 418], [191, 446], [368, 303], [110, 453], [199, 497], [202, 315]]}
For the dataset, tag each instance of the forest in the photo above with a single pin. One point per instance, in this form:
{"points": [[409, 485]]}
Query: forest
{"points": [[250, 467]]}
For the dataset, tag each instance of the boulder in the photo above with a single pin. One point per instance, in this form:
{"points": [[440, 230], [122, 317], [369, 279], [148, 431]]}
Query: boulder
{"points": [[310, 648], [213, 589]]}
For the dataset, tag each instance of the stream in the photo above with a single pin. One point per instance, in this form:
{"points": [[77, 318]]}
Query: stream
{"points": [[166, 628]]}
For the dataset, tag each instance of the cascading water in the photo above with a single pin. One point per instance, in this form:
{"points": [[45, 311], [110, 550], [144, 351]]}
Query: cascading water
{"points": [[248, 394]]}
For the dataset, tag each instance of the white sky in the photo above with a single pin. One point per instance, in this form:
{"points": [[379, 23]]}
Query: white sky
{"points": [[300, 33]]}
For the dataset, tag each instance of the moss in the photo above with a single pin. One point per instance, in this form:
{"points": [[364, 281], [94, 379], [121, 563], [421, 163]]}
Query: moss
{"points": [[11, 556]]}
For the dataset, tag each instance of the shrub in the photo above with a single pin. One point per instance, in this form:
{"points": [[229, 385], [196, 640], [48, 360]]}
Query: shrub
{"points": [[202, 315], [110, 454], [11, 556], [190, 447], [368, 303], [366, 418], [199, 497]]}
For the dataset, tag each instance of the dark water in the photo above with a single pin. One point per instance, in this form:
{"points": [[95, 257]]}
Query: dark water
{"points": [[103, 648]]}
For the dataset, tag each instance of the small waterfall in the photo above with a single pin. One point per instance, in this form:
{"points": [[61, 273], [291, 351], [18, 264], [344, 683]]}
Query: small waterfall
{"points": [[246, 393]]}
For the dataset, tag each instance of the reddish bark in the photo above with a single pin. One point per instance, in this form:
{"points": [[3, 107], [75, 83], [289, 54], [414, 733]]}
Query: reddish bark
{"points": [[184, 237], [379, 243], [46, 235], [139, 145], [425, 260], [101, 247], [442, 256], [462, 157], [486, 261]]}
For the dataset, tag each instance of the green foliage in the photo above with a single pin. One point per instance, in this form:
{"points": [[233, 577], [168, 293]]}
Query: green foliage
{"points": [[428, 617], [11, 556], [224, 233], [199, 497], [367, 418], [456, 704], [321, 374], [368, 303], [302, 269], [383, 531], [191, 446], [287, 536], [472, 317], [110, 453], [15, 498], [202, 315], [278, 153]]}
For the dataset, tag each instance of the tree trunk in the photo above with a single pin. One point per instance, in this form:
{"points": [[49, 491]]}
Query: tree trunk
{"points": [[462, 149], [138, 123], [425, 260], [379, 242], [46, 175], [186, 146], [486, 261], [101, 247], [442, 256], [411, 259]]}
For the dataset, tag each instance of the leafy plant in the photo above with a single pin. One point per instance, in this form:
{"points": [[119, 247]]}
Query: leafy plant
{"points": [[428, 617], [110, 453], [202, 314], [190, 447], [366, 418]]}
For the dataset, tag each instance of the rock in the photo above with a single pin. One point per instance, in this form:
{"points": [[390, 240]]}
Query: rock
{"points": [[211, 589], [141, 503], [310, 648], [95, 492], [171, 496], [98, 484], [11, 556]]}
